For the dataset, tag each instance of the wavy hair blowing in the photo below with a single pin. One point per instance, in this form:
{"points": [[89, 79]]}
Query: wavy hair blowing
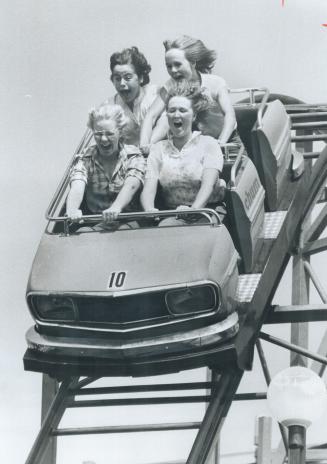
{"points": [[195, 94], [134, 57], [195, 52], [107, 112]]}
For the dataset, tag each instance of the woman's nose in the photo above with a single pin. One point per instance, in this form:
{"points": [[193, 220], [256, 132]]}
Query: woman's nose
{"points": [[123, 84]]}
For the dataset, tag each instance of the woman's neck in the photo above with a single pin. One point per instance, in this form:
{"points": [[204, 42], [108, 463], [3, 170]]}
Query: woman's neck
{"points": [[196, 77], [179, 142], [108, 162]]}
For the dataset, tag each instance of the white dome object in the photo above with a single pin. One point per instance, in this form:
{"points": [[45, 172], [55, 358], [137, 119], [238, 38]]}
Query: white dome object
{"points": [[297, 396]]}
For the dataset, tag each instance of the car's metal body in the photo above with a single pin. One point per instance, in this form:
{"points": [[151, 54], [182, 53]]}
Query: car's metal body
{"points": [[133, 317], [118, 286]]}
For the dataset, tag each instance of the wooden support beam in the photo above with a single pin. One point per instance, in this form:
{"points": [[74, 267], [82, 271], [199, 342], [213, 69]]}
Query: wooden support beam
{"points": [[293, 348], [126, 429], [297, 313], [314, 231], [50, 422], [144, 388], [300, 295], [49, 391], [213, 419], [311, 248], [263, 452]]}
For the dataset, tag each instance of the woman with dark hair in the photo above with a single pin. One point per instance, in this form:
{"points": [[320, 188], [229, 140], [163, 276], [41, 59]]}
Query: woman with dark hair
{"points": [[130, 77], [187, 164], [188, 59]]}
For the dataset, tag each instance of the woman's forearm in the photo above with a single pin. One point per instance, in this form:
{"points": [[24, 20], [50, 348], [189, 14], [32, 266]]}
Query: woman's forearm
{"points": [[126, 194], [148, 194], [228, 128], [209, 179], [149, 121], [75, 196]]}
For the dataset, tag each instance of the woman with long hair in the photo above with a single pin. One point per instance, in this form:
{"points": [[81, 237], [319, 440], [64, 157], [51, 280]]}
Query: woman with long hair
{"points": [[188, 59]]}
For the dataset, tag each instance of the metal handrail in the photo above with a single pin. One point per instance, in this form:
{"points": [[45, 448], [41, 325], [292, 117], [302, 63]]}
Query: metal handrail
{"points": [[64, 181], [227, 146], [212, 216], [144, 214], [251, 91], [235, 167], [262, 107]]}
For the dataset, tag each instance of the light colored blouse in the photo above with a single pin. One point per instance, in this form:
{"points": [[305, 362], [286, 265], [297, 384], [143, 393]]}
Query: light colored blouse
{"points": [[135, 117], [180, 172]]}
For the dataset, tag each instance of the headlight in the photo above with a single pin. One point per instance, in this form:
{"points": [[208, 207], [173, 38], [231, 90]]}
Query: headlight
{"points": [[191, 300], [55, 308]]}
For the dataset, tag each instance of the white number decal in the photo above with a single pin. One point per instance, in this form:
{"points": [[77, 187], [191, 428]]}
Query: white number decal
{"points": [[117, 279]]}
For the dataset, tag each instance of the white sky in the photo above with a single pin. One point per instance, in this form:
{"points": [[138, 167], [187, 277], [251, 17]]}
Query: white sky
{"points": [[54, 60]]}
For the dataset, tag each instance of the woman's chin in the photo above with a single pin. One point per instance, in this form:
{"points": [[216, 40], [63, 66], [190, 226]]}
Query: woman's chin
{"points": [[107, 151]]}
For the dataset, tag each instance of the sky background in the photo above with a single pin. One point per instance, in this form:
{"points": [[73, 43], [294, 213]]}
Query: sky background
{"points": [[54, 68]]}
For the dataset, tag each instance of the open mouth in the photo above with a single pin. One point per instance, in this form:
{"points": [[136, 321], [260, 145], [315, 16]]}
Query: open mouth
{"points": [[177, 124], [106, 146]]}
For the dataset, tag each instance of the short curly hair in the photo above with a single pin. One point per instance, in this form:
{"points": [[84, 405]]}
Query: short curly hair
{"points": [[195, 94], [195, 52], [134, 57], [107, 112]]}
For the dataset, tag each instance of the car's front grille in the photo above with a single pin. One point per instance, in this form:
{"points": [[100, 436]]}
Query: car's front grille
{"points": [[120, 310], [100, 310]]}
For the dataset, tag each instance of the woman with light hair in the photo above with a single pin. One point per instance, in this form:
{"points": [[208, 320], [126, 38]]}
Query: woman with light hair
{"points": [[188, 59], [109, 173]]}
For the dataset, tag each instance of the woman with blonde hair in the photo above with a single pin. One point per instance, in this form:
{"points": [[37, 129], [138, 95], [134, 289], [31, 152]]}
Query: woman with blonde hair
{"points": [[109, 173], [188, 59]]}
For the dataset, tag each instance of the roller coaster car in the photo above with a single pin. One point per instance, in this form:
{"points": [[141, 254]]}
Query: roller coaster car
{"points": [[151, 300]]}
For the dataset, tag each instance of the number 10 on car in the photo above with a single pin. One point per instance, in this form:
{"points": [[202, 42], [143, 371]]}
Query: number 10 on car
{"points": [[117, 279]]}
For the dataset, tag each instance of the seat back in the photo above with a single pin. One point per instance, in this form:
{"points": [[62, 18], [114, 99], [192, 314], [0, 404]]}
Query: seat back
{"points": [[272, 152], [245, 203]]}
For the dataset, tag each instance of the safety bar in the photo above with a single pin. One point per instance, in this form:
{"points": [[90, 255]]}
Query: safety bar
{"points": [[235, 167], [64, 181], [251, 91], [210, 214]]}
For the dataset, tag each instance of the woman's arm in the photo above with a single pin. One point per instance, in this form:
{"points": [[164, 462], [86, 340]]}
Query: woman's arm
{"points": [[229, 114], [209, 179], [150, 119], [149, 193], [124, 197], [74, 199], [160, 130]]}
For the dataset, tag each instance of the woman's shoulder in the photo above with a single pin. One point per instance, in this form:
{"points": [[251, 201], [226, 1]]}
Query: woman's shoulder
{"points": [[213, 80], [209, 142], [89, 153], [130, 150], [150, 89]]}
